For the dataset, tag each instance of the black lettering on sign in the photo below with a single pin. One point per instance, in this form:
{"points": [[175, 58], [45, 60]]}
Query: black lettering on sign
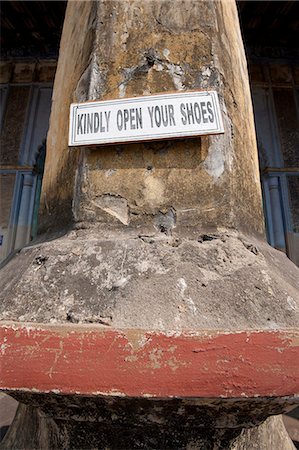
{"points": [[89, 123], [161, 115], [135, 118], [204, 112], [191, 112], [164, 115], [151, 110], [132, 119], [157, 116], [96, 122], [107, 117], [119, 120], [84, 123], [190, 115], [126, 118], [197, 112], [138, 118], [171, 115], [93, 122], [184, 115], [211, 113], [79, 124]]}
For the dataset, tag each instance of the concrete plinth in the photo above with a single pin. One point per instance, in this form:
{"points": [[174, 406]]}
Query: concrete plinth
{"points": [[88, 386], [220, 281], [64, 427]]}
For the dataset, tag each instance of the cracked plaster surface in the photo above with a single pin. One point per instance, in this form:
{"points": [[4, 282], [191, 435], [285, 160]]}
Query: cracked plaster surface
{"points": [[161, 282]]}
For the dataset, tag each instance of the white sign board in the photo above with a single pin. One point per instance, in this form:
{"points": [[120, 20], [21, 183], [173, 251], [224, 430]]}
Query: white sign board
{"points": [[154, 117]]}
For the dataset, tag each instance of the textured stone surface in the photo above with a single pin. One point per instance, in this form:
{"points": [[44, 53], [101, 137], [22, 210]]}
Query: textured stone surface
{"points": [[31, 431], [8, 407], [84, 423], [61, 163], [196, 45], [223, 280], [268, 436], [292, 426]]}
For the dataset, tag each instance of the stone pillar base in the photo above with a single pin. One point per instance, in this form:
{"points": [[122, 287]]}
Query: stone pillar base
{"points": [[93, 423]]}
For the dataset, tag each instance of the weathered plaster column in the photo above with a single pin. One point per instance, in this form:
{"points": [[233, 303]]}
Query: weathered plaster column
{"points": [[191, 314], [142, 48]]}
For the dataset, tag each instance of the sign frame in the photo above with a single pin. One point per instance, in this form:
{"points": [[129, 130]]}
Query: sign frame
{"points": [[147, 100]]}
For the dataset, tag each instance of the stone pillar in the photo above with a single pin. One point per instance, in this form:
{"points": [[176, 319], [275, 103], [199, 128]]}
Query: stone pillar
{"points": [[140, 48], [163, 237]]}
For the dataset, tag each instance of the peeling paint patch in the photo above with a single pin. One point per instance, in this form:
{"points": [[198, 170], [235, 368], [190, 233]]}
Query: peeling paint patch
{"points": [[110, 172], [91, 83], [97, 80], [165, 222], [155, 357], [291, 303], [214, 163], [177, 74], [115, 205], [220, 155], [153, 61], [166, 53], [153, 191], [121, 282], [3, 348], [182, 285], [142, 363]]}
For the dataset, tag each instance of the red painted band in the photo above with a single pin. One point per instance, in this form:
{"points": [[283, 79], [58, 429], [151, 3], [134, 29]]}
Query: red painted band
{"points": [[92, 360]]}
